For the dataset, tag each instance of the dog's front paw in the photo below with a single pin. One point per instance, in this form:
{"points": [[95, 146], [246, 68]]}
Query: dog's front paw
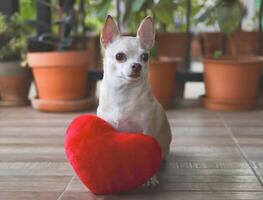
{"points": [[152, 183]]}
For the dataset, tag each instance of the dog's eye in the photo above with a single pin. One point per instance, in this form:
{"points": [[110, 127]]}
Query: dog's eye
{"points": [[145, 57], [121, 57]]}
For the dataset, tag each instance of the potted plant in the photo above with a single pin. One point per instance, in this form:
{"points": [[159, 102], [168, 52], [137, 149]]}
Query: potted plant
{"points": [[15, 80], [163, 78], [231, 81], [247, 42], [61, 75]]}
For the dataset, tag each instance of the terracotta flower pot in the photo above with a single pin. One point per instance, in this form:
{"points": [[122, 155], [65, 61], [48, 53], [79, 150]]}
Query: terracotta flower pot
{"points": [[15, 82], [60, 76], [62, 106], [162, 79], [231, 82]]}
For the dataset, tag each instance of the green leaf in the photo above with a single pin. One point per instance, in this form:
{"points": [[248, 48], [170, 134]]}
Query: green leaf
{"points": [[229, 16], [27, 9], [103, 9], [128, 11], [153, 53], [137, 5], [13, 43], [218, 54], [164, 11]]}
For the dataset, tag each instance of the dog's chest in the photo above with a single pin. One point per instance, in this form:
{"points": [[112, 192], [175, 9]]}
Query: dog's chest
{"points": [[125, 119], [128, 111]]}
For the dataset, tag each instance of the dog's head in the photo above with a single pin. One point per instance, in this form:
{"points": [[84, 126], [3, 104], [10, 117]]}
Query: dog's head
{"points": [[126, 58]]}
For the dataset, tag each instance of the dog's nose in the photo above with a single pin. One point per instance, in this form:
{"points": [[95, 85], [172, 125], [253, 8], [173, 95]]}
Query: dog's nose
{"points": [[136, 67]]}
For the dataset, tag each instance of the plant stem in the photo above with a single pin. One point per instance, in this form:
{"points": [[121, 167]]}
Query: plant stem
{"points": [[223, 44], [163, 27], [59, 15], [232, 46], [205, 44], [188, 38], [82, 23], [118, 10], [259, 47]]}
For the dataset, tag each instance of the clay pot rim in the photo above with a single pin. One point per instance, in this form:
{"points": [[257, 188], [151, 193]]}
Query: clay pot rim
{"points": [[227, 101], [64, 105], [13, 68], [72, 101], [239, 60], [14, 103], [57, 52], [58, 59], [169, 33], [173, 60], [236, 105]]}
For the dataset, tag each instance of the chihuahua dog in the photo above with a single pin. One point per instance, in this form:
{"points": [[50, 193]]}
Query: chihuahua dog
{"points": [[126, 100]]}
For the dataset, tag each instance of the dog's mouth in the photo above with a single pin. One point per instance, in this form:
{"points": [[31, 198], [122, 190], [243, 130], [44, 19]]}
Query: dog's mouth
{"points": [[131, 77], [134, 75]]}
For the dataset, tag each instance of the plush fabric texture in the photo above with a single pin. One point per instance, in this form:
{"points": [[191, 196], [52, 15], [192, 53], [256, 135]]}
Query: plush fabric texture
{"points": [[108, 161]]}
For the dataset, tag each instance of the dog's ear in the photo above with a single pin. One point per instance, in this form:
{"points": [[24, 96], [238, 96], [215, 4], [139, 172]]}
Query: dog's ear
{"points": [[109, 32], [146, 32]]}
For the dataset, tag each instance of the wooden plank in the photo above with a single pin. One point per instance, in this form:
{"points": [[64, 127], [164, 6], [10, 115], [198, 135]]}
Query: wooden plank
{"points": [[35, 141], [258, 167], [216, 141], [33, 183], [14, 195], [15, 149], [208, 172], [208, 179], [201, 184], [151, 195], [35, 168], [32, 157], [221, 164], [205, 122]]}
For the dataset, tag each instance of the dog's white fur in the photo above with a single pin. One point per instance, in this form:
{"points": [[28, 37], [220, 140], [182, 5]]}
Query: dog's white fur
{"points": [[127, 103]]}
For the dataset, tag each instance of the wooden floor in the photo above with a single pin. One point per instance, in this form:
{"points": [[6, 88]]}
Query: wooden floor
{"points": [[215, 156]]}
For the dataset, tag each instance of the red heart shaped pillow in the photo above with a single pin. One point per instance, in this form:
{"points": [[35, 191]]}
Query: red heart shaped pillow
{"points": [[108, 161]]}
